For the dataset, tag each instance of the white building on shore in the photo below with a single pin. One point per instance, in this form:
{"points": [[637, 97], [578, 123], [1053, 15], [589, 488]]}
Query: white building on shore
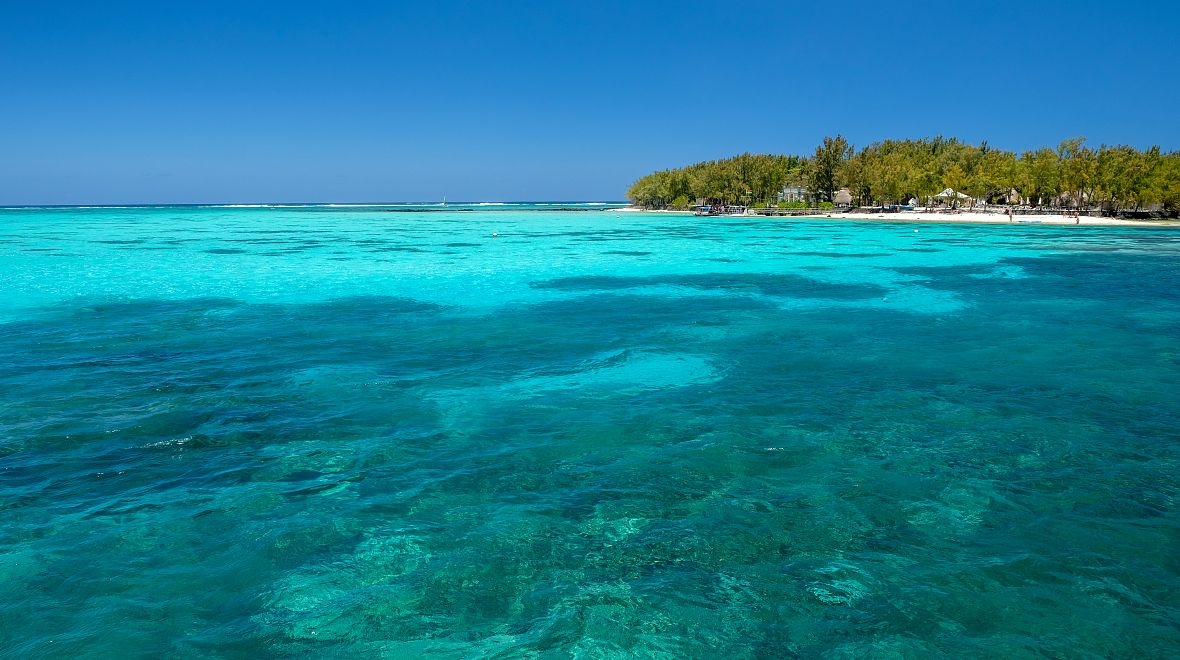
{"points": [[791, 194]]}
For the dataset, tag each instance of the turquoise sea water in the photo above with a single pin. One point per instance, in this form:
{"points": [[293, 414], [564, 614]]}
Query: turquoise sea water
{"points": [[323, 432]]}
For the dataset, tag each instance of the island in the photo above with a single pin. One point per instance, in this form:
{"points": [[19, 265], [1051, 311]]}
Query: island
{"points": [[930, 178]]}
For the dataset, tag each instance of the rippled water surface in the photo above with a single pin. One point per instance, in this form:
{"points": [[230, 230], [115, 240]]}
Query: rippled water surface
{"points": [[302, 432]]}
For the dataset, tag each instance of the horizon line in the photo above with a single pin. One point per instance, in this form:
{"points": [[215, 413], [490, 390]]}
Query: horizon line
{"points": [[301, 204]]}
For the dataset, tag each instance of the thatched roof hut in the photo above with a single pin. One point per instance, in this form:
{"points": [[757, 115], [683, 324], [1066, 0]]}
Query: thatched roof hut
{"points": [[843, 197]]}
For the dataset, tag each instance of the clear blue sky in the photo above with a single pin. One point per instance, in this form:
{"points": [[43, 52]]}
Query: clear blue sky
{"points": [[144, 102]]}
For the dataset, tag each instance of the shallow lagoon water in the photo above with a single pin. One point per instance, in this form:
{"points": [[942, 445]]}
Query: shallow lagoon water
{"points": [[328, 431]]}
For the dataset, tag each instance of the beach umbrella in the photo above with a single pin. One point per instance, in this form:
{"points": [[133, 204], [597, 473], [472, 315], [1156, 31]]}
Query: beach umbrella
{"points": [[951, 194]]}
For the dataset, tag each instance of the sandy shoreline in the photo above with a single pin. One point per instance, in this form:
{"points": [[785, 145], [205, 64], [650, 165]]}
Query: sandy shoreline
{"points": [[966, 217]]}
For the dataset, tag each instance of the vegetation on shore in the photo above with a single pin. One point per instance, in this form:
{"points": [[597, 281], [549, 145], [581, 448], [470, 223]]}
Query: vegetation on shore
{"points": [[894, 171]]}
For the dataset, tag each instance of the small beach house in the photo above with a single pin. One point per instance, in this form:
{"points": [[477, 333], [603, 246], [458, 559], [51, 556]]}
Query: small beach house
{"points": [[792, 194]]}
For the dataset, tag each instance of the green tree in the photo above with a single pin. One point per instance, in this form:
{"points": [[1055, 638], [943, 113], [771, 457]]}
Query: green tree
{"points": [[1165, 182], [1078, 166], [954, 177], [827, 165], [1040, 178]]}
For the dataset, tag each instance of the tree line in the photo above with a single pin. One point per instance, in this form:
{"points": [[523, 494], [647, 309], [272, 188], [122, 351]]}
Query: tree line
{"points": [[1073, 175]]}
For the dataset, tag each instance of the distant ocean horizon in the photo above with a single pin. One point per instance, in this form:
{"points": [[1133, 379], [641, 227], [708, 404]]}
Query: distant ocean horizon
{"points": [[488, 205], [498, 429]]}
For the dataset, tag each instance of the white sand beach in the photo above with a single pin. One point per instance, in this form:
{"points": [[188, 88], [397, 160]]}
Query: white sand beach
{"points": [[973, 217], [963, 217]]}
